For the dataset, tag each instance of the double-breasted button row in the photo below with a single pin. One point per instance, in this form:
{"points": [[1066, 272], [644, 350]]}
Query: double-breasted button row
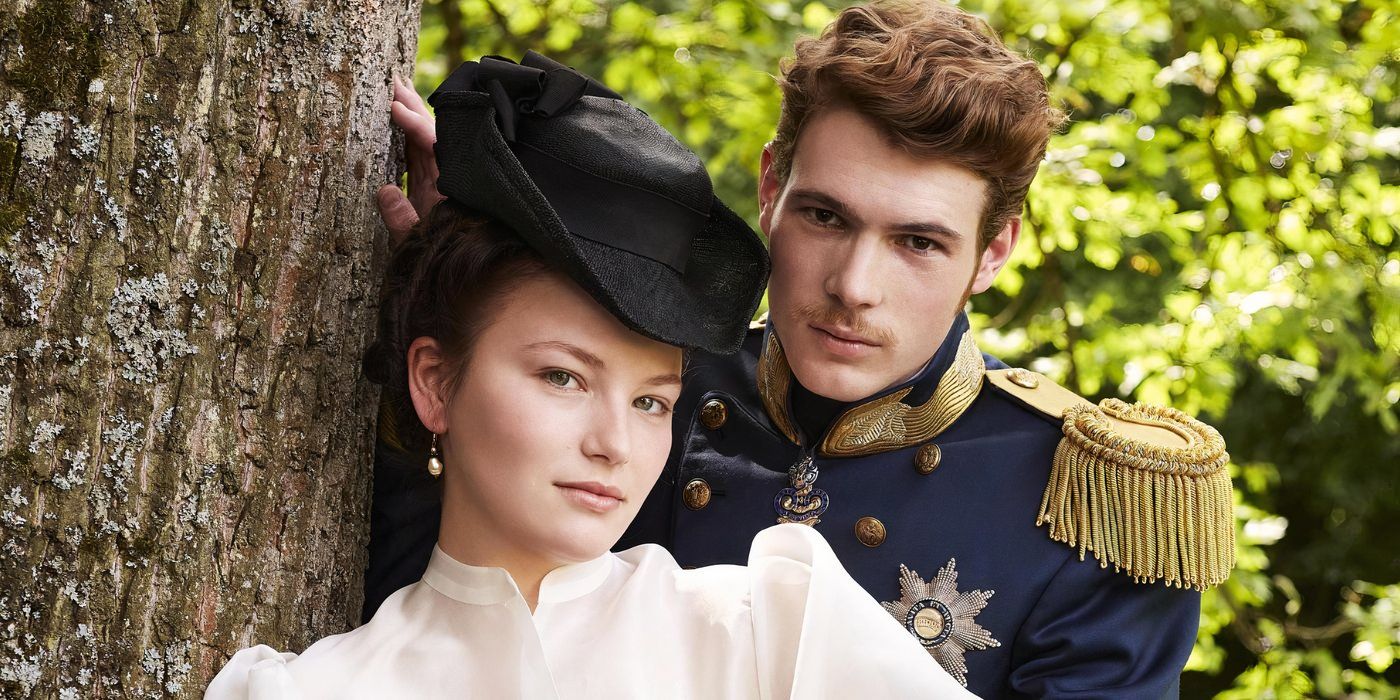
{"points": [[869, 530], [697, 492]]}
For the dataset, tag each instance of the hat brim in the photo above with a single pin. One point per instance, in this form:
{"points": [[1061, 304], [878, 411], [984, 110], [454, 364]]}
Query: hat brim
{"points": [[708, 307]]}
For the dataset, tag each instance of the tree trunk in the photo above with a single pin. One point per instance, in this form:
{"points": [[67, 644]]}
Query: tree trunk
{"points": [[189, 268]]}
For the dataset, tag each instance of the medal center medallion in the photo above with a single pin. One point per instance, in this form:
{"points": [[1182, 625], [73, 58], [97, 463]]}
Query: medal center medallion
{"points": [[930, 621]]}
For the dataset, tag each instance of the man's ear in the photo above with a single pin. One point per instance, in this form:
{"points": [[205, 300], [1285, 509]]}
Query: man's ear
{"points": [[994, 258], [428, 383], [768, 190]]}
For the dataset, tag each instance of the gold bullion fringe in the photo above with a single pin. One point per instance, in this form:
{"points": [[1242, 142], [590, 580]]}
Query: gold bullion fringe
{"points": [[1153, 511]]}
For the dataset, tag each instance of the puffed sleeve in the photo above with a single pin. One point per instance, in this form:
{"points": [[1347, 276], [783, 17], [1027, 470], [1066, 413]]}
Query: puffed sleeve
{"points": [[818, 634], [1098, 634], [255, 673]]}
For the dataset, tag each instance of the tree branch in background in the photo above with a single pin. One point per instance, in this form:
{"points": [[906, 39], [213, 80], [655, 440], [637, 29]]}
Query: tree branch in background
{"points": [[454, 46]]}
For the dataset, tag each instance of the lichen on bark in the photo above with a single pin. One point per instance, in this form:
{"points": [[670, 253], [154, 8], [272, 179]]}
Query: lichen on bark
{"points": [[189, 259]]}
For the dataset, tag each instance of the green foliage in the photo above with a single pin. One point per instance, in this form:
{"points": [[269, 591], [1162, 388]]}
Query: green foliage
{"points": [[1215, 229]]}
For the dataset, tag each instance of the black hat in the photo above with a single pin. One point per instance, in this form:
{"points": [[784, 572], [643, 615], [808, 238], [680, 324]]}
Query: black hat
{"points": [[605, 193]]}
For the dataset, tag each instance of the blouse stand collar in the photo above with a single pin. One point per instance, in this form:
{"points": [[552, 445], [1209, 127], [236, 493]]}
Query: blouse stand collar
{"points": [[490, 585]]}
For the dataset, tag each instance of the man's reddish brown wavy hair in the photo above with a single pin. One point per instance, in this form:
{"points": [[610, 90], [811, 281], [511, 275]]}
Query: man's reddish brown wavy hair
{"points": [[940, 84]]}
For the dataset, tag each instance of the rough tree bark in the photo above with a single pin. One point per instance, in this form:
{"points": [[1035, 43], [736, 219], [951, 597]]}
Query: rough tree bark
{"points": [[189, 263]]}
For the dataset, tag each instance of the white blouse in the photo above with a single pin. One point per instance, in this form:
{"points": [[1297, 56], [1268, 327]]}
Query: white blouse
{"points": [[792, 624]]}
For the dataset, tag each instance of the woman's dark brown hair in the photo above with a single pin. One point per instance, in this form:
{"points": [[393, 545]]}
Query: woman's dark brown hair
{"points": [[444, 282]]}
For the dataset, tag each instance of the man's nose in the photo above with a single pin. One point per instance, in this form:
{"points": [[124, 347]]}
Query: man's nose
{"points": [[855, 280]]}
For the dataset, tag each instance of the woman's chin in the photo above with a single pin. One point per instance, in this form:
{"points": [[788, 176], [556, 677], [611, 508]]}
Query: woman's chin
{"points": [[581, 541], [587, 534]]}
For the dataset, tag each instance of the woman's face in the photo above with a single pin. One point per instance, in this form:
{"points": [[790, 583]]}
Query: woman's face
{"points": [[558, 428]]}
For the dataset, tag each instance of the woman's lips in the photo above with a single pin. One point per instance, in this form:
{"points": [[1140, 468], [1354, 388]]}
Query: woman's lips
{"points": [[592, 495]]}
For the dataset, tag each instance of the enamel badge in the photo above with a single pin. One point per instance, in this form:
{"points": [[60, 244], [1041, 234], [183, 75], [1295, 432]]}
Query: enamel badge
{"points": [[941, 618], [801, 502]]}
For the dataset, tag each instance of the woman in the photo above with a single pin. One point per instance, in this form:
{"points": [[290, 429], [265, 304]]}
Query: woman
{"points": [[537, 351]]}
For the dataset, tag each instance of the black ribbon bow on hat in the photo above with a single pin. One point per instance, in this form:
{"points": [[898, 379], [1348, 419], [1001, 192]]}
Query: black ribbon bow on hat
{"points": [[590, 204], [537, 86]]}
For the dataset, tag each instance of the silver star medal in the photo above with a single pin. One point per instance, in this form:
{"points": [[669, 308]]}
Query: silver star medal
{"points": [[941, 618]]}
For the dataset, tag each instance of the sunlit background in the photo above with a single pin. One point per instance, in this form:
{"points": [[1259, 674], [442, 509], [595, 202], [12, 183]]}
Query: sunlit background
{"points": [[1215, 230]]}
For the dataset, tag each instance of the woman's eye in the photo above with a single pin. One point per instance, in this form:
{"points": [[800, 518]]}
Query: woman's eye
{"points": [[560, 378], [649, 405]]}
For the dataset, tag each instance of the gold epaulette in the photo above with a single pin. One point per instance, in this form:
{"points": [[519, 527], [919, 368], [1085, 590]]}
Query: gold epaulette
{"points": [[1143, 487]]}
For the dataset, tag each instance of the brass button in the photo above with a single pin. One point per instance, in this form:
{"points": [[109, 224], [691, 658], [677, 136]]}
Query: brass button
{"points": [[927, 458], [1023, 378], [870, 531], [713, 414], [696, 494]]}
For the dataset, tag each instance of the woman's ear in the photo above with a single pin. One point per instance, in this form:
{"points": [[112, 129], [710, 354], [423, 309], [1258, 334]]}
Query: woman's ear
{"points": [[428, 382]]}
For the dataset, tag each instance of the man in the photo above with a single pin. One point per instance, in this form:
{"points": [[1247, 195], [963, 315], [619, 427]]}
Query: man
{"points": [[963, 495]]}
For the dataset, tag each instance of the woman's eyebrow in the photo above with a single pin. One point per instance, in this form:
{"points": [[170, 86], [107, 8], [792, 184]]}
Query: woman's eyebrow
{"points": [[664, 380], [584, 356], [596, 363]]}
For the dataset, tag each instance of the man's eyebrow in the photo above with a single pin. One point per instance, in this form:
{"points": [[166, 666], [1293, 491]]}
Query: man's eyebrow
{"points": [[584, 356], [825, 200], [930, 229]]}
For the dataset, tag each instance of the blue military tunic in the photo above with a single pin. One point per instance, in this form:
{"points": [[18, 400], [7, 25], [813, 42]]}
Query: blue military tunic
{"points": [[1058, 626]]}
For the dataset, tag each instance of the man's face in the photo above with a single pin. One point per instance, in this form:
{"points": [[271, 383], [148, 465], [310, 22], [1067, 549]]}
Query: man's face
{"points": [[874, 254]]}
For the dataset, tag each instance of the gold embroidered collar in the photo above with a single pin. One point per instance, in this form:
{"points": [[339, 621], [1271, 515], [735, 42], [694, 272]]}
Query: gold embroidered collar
{"points": [[882, 424]]}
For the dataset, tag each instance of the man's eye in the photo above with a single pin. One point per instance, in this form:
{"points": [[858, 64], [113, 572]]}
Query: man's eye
{"points": [[919, 243], [823, 217], [560, 378]]}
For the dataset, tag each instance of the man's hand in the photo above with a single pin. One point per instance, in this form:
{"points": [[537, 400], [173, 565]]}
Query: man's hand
{"points": [[400, 213]]}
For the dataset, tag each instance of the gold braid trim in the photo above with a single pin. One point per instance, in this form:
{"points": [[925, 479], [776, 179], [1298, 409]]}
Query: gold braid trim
{"points": [[389, 426], [888, 423], [774, 381], [1154, 511]]}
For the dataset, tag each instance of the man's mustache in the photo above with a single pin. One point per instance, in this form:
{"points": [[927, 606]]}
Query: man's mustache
{"points": [[847, 320]]}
